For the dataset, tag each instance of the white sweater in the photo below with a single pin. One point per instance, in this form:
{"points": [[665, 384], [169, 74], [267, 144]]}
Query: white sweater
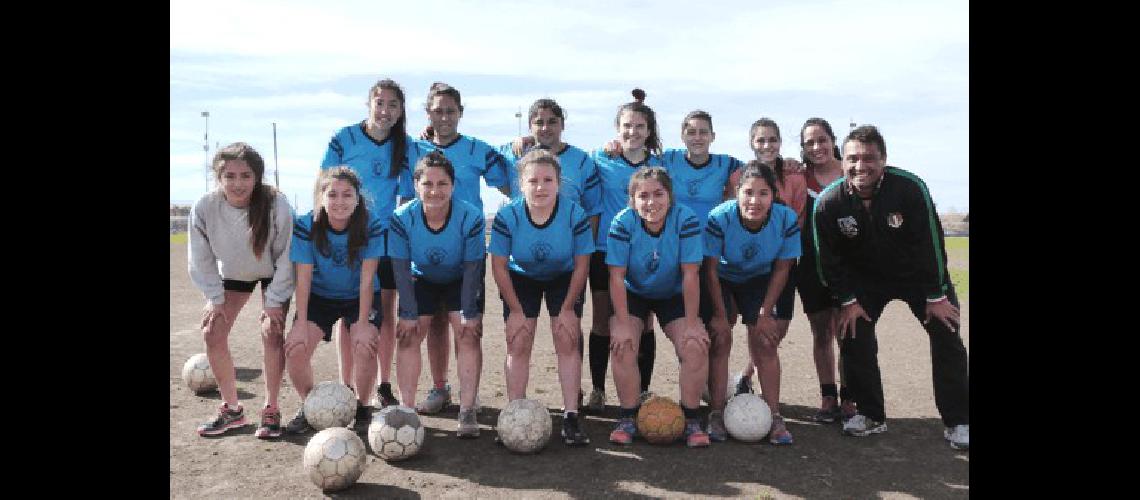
{"points": [[220, 248]]}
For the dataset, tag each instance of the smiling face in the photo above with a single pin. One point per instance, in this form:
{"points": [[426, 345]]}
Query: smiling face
{"points": [[863, 164], [697, 135], [766, 144], [539, 183], [546, 128], [340, 200], [384, 109], [444, 115], [434, 188], [818, 145], [237, 180], [754, 198], [651, 201], [633, 130]]}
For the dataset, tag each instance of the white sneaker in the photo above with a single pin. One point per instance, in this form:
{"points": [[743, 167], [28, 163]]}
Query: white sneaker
{"points": [[959, 436], [437, 400], [860, 426]]}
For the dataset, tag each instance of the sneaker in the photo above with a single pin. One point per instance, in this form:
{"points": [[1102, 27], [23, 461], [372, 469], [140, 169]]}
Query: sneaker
{"points": [[385, 399], [437, 400], [959, 436], [467, 427], [860, 426], [298, 424], [624, 431], [645, 395], [828, 411], [847, 409], [717, 432], [270, 426], [743, 384], [478, 406], [597, 401], [227, 419], [363, 418], [694, 436], [779, 433], [571, 432]]}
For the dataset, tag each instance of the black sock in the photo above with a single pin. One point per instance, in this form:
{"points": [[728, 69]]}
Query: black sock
{"points": [[691, 413], [646, 353], [599, 359], [828, 390], [627, 412], [844, 394], [385, 390]]}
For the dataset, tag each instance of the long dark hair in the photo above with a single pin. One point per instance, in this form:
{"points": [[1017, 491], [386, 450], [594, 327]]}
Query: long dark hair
{"points": [[778, 165], [261, 199], [357, 222], [826, 128], [399, 131], [658, 174], [759, 169], [653, 141]]}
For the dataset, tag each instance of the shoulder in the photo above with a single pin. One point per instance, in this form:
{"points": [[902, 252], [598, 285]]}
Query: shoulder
{"points": [[626, 216], [206, 204], [832, 191], [783, 211], [304, 221]]}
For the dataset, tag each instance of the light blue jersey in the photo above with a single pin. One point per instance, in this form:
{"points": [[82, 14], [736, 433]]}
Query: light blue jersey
{"points": [[333, 276], [580, 181], [744, 253], [437, 255], [541, 252], [371, 161], [615, 173], [472, 159], [653, 262], [700, 187]]}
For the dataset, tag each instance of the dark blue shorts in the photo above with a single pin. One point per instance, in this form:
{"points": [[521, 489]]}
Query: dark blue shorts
{"points": [[749, 296], [530, 292], [599, 273], [813, 294], [324, 312], [667, 310], [431, 297], [385, 274]]}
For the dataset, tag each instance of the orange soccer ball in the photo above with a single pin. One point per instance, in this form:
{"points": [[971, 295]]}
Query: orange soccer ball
{"points": [[660, 420]]}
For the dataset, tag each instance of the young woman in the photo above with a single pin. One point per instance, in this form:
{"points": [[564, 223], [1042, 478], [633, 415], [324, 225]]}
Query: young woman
{"points": [[541, 244], [640, 143], [471, 159], [377, 150], [336, 248], [654, 254], [750, 245], [239, 236], [438, 253]]}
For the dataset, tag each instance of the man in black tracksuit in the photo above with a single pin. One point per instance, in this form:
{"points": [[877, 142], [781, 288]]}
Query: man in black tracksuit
{"points": [[878, 238]]}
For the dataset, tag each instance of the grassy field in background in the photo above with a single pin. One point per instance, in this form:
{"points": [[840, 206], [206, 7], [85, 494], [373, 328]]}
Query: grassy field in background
{"points": [[179, 238]]}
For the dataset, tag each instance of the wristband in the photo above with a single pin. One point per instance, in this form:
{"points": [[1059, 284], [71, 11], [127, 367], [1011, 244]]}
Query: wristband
{"points": [[933, 301]]}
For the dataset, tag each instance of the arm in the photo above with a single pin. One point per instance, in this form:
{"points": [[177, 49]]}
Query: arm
{"points": [[281, 288], [691, 291], [719, 322], [503, 280], [297, 336], [202, 262], [402, 271], [830, 264], [472, 285]]}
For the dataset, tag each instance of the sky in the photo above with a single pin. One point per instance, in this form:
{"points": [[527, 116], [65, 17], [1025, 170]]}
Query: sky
{"points": [[308, 66]]}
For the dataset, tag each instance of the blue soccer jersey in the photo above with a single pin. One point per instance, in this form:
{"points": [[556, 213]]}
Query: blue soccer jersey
{"points": [[472, 159], [744, 253], [700, 187], [615, 173], [371, 160], [580, 181], [653, 262], [333, 276], [541, 252], [437, 255]]}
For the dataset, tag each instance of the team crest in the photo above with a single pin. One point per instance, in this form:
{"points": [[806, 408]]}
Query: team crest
{"points": [[751, 250], [652, 262], [378, 167], [895, 220], [695, 187], [848, 227], [340, 256], [541, 251], [436, 255]]}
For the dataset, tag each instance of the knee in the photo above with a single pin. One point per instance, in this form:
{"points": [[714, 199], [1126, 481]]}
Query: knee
{"points": [[721, 345], [215, 335], [272, 340], [693, 351]]}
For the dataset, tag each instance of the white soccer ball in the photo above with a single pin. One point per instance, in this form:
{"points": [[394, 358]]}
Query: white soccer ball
{"points": [[330, 404], [747, 418], [524, 426], [396, 433], [335, 458], [198, 375]]}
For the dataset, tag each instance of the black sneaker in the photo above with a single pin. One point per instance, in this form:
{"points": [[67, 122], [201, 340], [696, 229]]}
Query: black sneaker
{"points": [[363, 418], [227, 419], [298, 424], [571, 433], [385, 398]]}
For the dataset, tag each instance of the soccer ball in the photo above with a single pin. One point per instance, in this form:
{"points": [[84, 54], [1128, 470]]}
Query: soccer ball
{"points": [[198, 375], [524, 426], [660, 420], [747, 418], [335, 458], [706, 396], [330, 404], [396, 433]]}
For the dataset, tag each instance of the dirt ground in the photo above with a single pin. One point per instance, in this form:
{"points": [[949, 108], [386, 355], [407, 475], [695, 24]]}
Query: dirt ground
{"points": [[910, 460]]}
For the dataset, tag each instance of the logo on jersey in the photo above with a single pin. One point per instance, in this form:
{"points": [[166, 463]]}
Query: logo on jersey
{"points": [[652, 262], [436, 255], [695, 187], [541, 251], [751, 250], [378, 167], [848, 227], [340, 256], [895, 220]]}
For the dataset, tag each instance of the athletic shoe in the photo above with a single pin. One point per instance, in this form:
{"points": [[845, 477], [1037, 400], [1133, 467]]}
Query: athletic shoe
{"points": [[847, 409], [624, 431], [571, 432], [385, 399], [860, 426], [645, 395], [437, 400], [298, 424], [717, 432], [363, 418], [743, 384], [270, 424], [779, 433], [959, 436], [828, 411], [227, 419], [694, 436], [478, 405], [597, 401], [467, 427]]}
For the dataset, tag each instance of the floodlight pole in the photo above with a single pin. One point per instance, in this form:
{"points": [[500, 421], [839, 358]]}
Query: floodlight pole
{"points": [[276, 183], [206, 148], [518, 115]]}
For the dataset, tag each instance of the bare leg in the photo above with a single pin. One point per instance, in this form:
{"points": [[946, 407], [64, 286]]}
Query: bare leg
{"points": [[387, 349], [409, 362], [273, 360], [438, 342], [344, 352], [299, 362], [218, 347], [468, 361], [516, 365], [694, 369], [627, 377]]}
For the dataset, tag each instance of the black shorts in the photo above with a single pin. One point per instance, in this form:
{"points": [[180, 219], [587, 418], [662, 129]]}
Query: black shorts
{"points": [[324, 312], [245, 286], [385, 274], [530, 292], [599, 273], [749, 296], [430, 297], [814, 296], [667, 310]]}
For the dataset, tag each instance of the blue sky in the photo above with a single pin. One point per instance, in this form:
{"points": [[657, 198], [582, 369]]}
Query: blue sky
{"points": [[902, 66]]}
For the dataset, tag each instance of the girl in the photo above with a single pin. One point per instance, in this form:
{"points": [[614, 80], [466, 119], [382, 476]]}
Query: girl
{"points": [[541, 244], [438, 253], [336, 247], [654, 253], [750, 245], [239, 236]]}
